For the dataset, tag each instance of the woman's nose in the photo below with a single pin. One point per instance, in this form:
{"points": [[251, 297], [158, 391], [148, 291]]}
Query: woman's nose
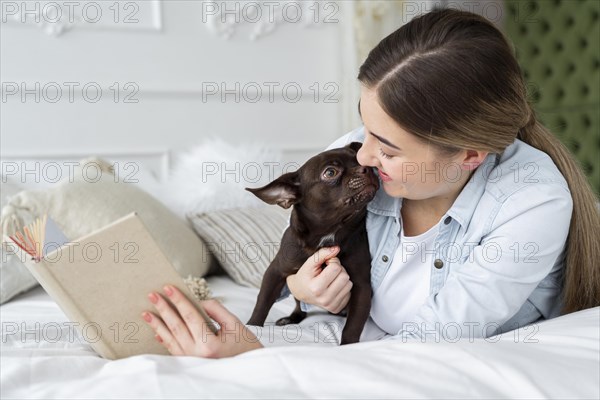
{"points": [[366, 155]]}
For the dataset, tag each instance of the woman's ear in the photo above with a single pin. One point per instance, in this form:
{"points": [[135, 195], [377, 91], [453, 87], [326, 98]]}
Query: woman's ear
{"points": [[472, 159]]}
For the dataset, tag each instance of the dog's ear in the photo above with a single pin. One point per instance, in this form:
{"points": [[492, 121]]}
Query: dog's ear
{"points": [[283, 191], [355, 146]]}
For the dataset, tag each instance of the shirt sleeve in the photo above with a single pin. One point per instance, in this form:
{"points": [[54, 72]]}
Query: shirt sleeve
{"points": [[356, 135], [526, 238]]}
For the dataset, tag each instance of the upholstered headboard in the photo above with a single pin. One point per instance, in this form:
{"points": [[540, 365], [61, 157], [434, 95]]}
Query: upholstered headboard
{"points": [[558, 46]]}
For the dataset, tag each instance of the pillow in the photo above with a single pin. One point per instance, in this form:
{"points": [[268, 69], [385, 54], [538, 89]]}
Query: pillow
{"points": [[14, 277], [83, 205], [243, 240], [212, 175]]}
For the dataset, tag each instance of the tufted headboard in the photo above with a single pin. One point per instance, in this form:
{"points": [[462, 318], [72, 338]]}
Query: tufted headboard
{"points": [[557, 43]]}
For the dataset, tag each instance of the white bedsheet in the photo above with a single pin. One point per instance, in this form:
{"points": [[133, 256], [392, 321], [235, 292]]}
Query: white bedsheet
{"points": [[559, 360]]}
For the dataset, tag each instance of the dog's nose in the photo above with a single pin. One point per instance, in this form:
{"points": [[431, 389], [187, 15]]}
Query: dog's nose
{"points": [[362, 170]]}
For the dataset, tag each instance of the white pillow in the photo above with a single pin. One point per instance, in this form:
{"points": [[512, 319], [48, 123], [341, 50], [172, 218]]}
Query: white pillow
{"points": [[85, 205], [213, 175]]}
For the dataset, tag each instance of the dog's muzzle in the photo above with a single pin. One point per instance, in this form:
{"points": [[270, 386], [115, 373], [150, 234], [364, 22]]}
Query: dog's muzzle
{"points": [[365, 186], [358, 182]]}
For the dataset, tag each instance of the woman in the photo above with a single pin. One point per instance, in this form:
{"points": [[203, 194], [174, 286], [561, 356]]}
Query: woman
{"points": [[484, 222]]}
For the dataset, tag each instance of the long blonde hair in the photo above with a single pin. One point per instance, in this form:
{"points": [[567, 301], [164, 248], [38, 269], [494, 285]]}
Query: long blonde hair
{"points": [[450, 77]]}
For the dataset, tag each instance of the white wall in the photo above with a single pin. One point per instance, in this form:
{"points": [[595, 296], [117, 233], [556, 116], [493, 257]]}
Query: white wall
{"points": [[169, 58]]}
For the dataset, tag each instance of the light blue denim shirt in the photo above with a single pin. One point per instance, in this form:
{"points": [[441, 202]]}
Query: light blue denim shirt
{"points": [[499, 253]]}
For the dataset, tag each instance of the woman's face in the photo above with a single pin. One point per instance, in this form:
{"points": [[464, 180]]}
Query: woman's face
{"points": [[407, 167]]}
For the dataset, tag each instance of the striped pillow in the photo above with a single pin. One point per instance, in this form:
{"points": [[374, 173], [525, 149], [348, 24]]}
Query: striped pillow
{"points": [[243, 240]]}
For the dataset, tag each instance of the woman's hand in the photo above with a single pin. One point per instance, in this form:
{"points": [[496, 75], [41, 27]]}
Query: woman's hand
{"points": [[185, 333], [328, 287]]}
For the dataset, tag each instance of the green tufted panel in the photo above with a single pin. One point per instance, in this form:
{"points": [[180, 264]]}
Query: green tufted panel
{"points": [[557, 43]]}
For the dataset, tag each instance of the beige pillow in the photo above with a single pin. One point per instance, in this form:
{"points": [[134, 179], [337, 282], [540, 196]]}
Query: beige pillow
{"points": [[85, 204], [14, 277], [243, 240]]}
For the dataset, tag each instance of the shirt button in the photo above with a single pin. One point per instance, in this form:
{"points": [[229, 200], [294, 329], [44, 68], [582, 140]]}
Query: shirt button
{"points": [[447, 220], [438, 263], [385, 258]]}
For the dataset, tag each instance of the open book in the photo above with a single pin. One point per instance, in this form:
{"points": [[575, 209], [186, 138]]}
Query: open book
{"points": [[101, 281]]}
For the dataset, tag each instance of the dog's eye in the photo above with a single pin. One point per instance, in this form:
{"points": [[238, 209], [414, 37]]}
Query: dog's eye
{"points": [[330, 173]]}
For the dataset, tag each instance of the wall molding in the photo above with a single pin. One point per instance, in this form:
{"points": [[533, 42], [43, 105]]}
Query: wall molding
{"points": [[57, 18], [155, 161], [225, 18]]}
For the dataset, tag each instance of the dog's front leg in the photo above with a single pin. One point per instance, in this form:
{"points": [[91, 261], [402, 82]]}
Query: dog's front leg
{"points": [[270, 289]]}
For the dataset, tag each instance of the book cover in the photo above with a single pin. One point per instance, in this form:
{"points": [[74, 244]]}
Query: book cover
{"points": [[101, 281]]}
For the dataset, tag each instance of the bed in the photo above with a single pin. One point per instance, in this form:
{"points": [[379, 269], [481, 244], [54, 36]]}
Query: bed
{"points": [[559, 358]]}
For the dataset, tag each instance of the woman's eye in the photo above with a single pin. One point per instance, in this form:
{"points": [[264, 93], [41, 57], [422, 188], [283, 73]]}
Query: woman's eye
{"points": [[384, 155], [330, 173]]}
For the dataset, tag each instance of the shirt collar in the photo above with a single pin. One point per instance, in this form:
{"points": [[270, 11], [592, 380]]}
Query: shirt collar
{"points": [[464, 206], [384, 204]]}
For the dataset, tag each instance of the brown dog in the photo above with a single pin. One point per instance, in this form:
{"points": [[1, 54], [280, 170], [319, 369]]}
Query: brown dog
{"points": [[329, 194]]}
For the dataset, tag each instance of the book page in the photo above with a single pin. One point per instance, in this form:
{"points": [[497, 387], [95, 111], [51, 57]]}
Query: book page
{"points": [[54, 237]]}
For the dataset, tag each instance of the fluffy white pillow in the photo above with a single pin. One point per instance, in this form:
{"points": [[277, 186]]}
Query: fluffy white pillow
{"points": [[213, 175]]}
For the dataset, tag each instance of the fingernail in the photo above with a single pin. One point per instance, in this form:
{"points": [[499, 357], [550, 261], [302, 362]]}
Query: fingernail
{"points": [[153, 298], [147, 317], [168, 290], [158, 338]]}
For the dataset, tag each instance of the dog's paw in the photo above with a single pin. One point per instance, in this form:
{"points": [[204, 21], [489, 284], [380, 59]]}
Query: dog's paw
{"points": [[283, 321], [292, 319]]}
